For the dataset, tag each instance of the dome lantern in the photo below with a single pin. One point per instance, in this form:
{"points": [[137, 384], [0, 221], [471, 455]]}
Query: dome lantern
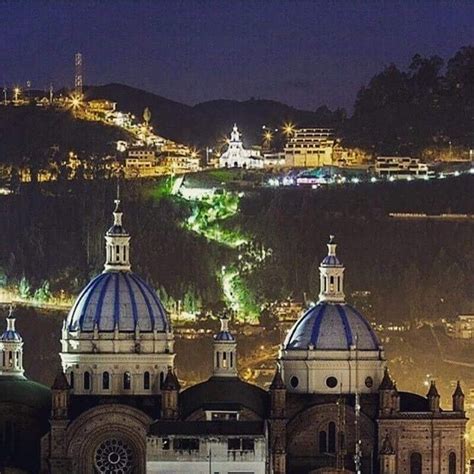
{"points": [[331, 273], [117, 243]]}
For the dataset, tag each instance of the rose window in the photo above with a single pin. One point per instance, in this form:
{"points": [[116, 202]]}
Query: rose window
{"points": [[113, 456]]}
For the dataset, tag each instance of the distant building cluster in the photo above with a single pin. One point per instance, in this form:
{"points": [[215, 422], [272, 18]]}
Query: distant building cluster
{"points": [[305, 148]]}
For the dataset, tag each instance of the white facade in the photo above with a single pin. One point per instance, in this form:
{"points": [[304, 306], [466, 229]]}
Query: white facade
{"points": [[401, 167], [208, 454], [236, 156], [310, 147]]}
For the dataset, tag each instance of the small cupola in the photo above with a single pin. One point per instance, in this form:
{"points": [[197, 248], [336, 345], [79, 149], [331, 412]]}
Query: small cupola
{"points": [[225, 351], [331, 273], [11, 345], [117, 244]]}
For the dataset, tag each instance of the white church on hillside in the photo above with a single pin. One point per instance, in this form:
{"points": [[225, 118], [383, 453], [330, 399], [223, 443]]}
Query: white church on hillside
{"points": [[236, 156]]}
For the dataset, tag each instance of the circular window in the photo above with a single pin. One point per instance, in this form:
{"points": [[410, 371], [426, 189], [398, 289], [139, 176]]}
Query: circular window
{"points": [[113, 456], [331, 382], [294, 381], [369, 382]]}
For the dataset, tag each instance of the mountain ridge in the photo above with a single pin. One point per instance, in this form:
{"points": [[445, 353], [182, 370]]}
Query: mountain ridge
{"points": [[205, 123]]}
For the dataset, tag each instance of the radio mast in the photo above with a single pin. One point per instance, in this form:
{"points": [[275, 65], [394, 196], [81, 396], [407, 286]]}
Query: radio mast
{"points": [[78, 74]]}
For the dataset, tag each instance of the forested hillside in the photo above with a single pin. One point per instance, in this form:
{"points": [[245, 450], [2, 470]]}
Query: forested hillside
{"points": [[413, 269]]}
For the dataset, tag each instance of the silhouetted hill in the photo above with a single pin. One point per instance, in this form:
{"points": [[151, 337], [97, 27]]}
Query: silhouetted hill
{"points": [[37, 134], [206, 123]]}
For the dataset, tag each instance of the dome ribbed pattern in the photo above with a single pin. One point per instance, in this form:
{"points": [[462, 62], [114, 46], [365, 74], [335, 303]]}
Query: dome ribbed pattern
{"points": [[10, 336], [119, 300], [332, 327], [331, 261], [224, 336]]}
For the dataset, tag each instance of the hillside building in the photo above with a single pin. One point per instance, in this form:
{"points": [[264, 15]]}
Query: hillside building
{"points": [[140, 162], [401, 167], [464, 326], [236, 156], [310, 147]]}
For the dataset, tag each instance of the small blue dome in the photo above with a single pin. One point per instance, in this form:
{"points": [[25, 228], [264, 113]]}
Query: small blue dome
{"points": [[224, 336], [331, 261], [329, 326], [119, 299], [11, 336]]}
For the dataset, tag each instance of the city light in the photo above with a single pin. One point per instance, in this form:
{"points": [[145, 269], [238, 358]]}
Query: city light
{"points": [[76, 101], [288, 129]]}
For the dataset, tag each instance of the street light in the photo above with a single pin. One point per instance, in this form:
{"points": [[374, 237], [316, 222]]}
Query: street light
{"points": [[16, 92], [288, 129]]}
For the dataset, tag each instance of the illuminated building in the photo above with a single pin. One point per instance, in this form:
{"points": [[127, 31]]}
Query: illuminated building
{"points": [[117, 347], [236, 156], [401, 167], [140, 162], [310, 147], [118, 407], [464, 326], [340, 403]]}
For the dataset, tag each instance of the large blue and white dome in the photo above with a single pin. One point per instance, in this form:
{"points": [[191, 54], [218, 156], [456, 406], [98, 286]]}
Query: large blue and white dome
{"points": [[328, 326], [118, 300]]}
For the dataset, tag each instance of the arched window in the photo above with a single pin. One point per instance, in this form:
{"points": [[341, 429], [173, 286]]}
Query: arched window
{"points": [[162, 379], [87, 381], [224, 360], [323, 442], [415, 463], [71, 379], [332, 437], [127, 381], [452, 463], [231, 359], [217, 359], [146, 380], [105, 381]]}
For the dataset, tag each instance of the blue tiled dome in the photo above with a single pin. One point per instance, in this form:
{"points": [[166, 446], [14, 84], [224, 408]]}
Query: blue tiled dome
{"points": [[10, 336], [329, 326], [119, 299], [224, 336], [331, 261]]}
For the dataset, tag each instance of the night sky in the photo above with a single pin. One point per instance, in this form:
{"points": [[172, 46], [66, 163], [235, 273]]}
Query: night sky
{"points": [[302, 53]]}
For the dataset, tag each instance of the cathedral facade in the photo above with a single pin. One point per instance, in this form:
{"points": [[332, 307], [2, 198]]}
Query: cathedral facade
{"points": [[117, 405]]}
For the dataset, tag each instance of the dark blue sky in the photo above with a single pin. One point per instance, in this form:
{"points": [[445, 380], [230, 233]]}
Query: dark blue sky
{"points": [[302, 53]]}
